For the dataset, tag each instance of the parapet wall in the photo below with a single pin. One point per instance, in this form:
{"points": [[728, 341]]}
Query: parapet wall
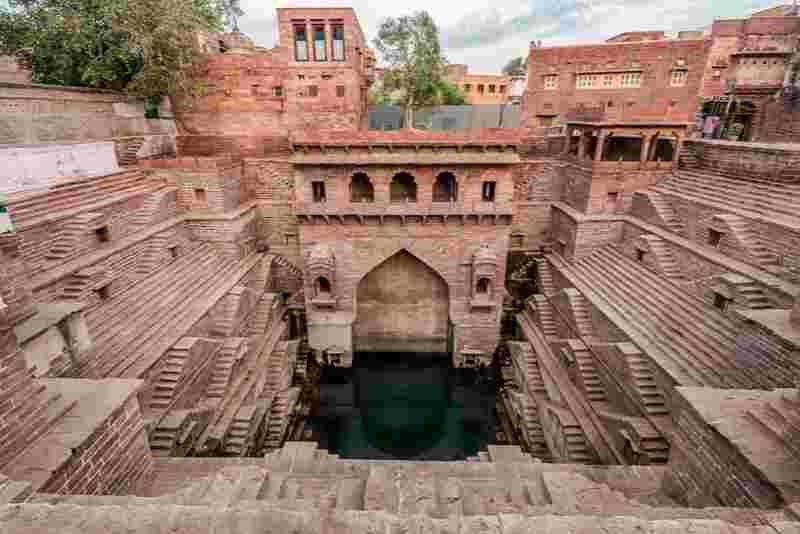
{"points": [[38, 114]]}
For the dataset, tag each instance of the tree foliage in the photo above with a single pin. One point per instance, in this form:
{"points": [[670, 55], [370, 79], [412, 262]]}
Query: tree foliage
{"points": [[448, 94], [410, 48], [515, 66], [147, 47]]}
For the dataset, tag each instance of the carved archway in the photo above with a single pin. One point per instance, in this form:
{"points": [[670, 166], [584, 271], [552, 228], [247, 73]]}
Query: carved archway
{"points": [[403, 305]]}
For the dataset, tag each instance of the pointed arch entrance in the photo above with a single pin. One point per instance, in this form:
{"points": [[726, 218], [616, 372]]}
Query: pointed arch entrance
{"points": [[403, 305]]}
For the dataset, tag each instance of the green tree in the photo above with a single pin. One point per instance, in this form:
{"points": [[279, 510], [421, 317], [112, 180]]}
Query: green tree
{"points": [[147, 47], [410, 47], [448, 94], [515, 66]]}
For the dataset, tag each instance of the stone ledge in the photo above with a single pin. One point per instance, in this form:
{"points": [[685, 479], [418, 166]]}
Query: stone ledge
{"points": [[47, 315], [94, 401]]}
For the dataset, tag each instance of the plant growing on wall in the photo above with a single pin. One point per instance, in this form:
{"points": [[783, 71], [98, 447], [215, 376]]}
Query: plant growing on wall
{"points": [[518, 65], [410, 48], [146, 47]]}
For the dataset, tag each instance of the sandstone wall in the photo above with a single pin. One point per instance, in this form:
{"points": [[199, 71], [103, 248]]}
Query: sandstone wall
{"points": [[115, 459], [447, 249], [655, 99], [401, 299], [32, 114]]}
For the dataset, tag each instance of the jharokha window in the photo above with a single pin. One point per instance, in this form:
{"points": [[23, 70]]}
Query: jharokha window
{"points": [[320, 49], [488, 191], [318, 191], [300, 44], [338, 42]]}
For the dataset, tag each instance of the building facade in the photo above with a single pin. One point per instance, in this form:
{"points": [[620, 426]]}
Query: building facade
{"points": [[480, 88], [628, 78]]}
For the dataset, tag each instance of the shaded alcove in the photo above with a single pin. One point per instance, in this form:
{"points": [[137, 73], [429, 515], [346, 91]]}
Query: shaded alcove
{"points": [[445, 188], [361, 189], [402, 306], [403, 188]]}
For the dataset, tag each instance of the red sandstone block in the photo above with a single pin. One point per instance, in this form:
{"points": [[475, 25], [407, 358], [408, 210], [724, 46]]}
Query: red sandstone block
{"points": [[205, 163]]}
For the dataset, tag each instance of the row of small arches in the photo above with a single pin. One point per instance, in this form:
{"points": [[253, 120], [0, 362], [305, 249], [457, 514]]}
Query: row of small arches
{"points": [[403, 188]]}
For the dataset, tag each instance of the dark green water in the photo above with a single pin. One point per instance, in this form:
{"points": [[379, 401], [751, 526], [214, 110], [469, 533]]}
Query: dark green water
{"points": [[405, 406]]}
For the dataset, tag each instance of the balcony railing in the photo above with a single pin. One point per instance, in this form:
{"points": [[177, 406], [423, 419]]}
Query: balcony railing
{"points": [[403, 208]]}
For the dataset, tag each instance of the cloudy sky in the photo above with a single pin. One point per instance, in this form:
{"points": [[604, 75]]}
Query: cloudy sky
{"points": [[486, 36]]}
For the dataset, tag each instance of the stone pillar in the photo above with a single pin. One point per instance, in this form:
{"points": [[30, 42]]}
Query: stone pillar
{"points": [[567, 140], [598, 151], [582, 145], [645, 148], [676, 154], [310, 42]]}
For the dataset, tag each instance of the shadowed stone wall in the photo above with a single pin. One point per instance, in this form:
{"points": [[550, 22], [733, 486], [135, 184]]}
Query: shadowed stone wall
{"points": [[399, 304]]}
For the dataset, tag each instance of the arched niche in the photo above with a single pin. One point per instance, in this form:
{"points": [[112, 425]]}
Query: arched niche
{"points": [[445, 188], [403, 188], [403, 305], [361, 189]]}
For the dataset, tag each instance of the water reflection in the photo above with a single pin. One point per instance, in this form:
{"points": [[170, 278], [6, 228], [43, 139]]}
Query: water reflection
{"points": [[405, 406]]}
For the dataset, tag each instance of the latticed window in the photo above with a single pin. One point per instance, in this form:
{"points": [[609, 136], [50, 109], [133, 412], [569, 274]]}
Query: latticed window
{"points": [[678, 78], [551, 81], [320, 48], [586, 81], [300, 44], [608, 80], [338, 42], [631, 79]]}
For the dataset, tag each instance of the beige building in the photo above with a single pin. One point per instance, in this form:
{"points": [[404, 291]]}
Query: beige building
{"points": [[480, 88]]}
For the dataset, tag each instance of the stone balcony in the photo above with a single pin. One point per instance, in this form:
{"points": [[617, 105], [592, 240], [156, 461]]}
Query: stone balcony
{"points": [[589, 163], [406, 212]]}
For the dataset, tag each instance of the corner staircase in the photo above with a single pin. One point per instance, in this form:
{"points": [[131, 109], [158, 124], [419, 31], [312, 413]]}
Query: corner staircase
{"points": [[230, 354], [644, 382], [664, 258], [72, 234]]}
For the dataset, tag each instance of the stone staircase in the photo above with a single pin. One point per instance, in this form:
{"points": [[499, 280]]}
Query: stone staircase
{"points": [[279, 417], [152, 207], [580, 312], [750, 241], [127, 150], [154, 255], [665, 260], [161, 309], [263, 316], [743, 196], [301, 489], [687, 159], [746, 291], [227, 318], [544, 315], [169, 431], [592, 384], [644, 383], [69, 238], [670, 219], [231, 353], [28, 410], [84, 194], [547, 286], [80, 283], [171, 374], [686, 337], [241, 430], [534, 389]]}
